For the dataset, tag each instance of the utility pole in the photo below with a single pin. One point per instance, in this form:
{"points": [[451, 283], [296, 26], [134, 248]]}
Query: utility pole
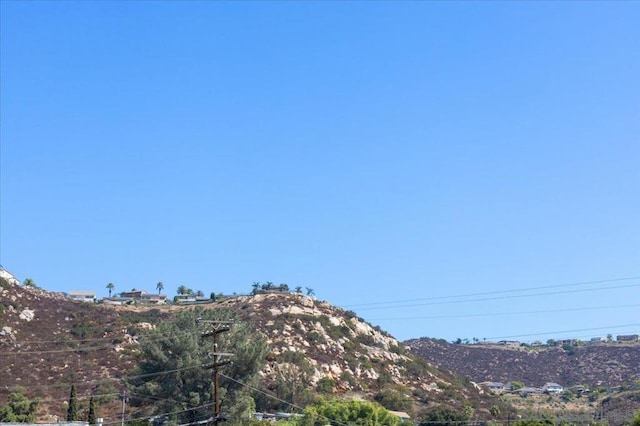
{"points": [[123, 395], [216, 327]]}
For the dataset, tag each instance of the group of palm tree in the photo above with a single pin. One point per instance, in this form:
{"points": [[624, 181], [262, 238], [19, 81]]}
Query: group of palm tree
{"points": [[256, 288], [159, 287], [269, 286]]}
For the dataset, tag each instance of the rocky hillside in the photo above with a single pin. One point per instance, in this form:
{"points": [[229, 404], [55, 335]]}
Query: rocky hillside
{"points": [[604, 364], [48, 342]]}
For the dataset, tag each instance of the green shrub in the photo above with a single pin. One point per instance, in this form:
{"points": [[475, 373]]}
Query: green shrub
{"points": [[325, 385]]}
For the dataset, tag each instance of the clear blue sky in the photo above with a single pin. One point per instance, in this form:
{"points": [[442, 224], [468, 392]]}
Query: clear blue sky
{"points": [[372, 151]]}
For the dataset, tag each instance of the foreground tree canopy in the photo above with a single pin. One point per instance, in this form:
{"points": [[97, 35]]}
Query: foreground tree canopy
{"points": [[20, 409], [172, 381], [336, 412]]}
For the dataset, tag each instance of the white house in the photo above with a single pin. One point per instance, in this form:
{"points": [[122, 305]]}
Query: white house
{"points": [[552, 388], [184, 298], [83, 296], [8, 276]]}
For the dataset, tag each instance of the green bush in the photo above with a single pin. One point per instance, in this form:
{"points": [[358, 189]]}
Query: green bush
{"points": [[325, 385]]}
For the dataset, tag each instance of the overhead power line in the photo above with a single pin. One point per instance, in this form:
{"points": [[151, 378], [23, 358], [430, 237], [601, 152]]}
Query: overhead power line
{"points": [[488, 293], [579, 330], [290, 404], [494, 314], [517, 296]]}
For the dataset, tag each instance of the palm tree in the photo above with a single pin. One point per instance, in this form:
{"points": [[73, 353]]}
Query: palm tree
{"points": [[298, 289], [310, 291], [28, 282], [256, 287], [159, 287], [110, 286]]}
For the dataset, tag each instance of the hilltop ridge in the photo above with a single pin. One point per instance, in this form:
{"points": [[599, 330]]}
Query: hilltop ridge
{"points": [[49, 342], [604, 364]]}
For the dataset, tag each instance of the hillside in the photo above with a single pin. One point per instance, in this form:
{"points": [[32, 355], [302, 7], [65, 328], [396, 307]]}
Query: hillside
{"points": [[48, 342], [604, 364]]}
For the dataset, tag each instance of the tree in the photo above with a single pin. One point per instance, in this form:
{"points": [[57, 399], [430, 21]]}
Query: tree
{"points": [[184, 290], [255, 287], [28, 282], [91, 418], [293, 375], [495, 411], [110, 286], [347, 412], [310, 291], [515, 385], [175, 346], [442, 416], [159, 287], [20, 408], [72, 410], [298, 289], [284, 287], [394, 399]]}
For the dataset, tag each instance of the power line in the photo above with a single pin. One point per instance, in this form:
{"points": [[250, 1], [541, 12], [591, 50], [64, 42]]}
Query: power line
{"points": [[565, 331], [290, 404], [492, 314], [254, 389], [111, 379], [81, 348], [487, 293], [497, 298], [161, 414]]}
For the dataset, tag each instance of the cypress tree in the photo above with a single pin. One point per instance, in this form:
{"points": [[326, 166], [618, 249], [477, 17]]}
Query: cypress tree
{"points": [[72, 411], [91, 419]]}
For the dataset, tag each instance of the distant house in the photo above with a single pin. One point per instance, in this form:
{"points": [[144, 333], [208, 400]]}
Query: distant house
{"points": [[552, 388], [628, 338], [595, 340], [527, 390], [495, 386], [83, 296], [154, 299], [404, 417], [8, 276], [115, 300], [133, 294], [509, 342], [185, 298], [579, 389]]}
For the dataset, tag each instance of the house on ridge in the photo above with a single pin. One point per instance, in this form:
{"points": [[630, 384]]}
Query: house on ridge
{"points": [[83, 296]]}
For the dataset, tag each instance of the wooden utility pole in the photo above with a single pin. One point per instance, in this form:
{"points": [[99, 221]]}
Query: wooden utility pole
{"points": [[216, 327], [123, 395]]}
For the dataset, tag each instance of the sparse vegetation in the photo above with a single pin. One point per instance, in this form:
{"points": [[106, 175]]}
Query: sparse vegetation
{"points": [[313, 350], [20, 409]]}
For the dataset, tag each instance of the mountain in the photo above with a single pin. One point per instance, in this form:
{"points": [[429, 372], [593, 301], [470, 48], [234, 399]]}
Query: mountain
{"points": [[603, 364], [48, 342]]}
